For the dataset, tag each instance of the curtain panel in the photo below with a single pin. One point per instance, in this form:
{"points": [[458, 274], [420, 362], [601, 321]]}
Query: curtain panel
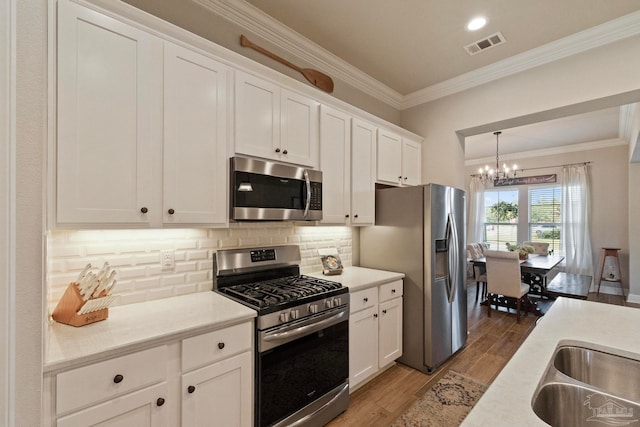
{"points": [[576, 212]]}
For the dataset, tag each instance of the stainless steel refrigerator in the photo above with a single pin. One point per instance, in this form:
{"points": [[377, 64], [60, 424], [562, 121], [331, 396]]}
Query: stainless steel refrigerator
{"points": [[420, 231]]}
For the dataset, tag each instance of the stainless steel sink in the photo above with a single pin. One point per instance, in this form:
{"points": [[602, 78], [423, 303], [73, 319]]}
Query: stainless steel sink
{"points": [[617, 374], [588, 385]]}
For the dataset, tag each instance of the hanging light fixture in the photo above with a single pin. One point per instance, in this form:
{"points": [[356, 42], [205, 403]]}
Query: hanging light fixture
{"points": [[488, 174]]}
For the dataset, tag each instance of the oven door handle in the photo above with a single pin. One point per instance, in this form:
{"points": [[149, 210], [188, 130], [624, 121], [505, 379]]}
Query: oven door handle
{"points": [[307, 329]]}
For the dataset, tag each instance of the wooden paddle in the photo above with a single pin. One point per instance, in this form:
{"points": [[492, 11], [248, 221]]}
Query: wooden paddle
{"points": [[315, 77]]}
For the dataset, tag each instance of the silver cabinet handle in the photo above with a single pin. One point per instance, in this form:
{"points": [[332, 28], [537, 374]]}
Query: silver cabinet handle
{"points": [[307, 182]]}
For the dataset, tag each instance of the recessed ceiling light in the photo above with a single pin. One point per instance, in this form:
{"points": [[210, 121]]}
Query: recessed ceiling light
{"points": [[476, 23]]}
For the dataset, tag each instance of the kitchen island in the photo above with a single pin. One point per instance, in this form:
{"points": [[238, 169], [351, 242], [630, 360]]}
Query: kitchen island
{"points": [[507, 402]]}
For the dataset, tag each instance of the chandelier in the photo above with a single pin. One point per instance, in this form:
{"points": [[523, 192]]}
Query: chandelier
{"points": [[488, 174]]}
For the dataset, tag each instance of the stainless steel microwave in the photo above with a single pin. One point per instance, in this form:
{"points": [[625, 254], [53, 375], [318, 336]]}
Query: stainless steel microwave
{"points": [[269, 191]]}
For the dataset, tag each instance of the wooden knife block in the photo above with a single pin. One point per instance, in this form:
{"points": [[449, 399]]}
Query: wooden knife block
{"points": [[70, 304]]}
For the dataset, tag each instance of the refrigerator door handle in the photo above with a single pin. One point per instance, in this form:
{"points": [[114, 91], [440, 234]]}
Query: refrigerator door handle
{"points": [[453, 257]]}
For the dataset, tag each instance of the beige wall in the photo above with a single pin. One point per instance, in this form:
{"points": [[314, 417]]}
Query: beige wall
{"points": [[31, 120], [609, 183], [601, 77], [198, 20]]}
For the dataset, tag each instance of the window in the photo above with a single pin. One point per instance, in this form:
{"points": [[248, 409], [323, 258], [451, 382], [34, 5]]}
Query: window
{"points": [[500, 218], [544, 217]]}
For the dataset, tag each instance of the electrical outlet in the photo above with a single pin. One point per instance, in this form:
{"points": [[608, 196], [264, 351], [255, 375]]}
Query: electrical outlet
{"points": [[167, 259]]}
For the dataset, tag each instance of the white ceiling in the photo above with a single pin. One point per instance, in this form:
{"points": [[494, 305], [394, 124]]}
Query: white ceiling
{"points": [[412, 45]]}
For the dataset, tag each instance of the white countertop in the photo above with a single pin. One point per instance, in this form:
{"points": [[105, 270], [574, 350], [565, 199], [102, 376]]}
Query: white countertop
{"points": [[507, 402], [357, 278], [139, 324]]}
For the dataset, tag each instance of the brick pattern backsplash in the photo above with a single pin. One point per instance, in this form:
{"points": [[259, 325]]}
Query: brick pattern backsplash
{"points": [[135, 255]]}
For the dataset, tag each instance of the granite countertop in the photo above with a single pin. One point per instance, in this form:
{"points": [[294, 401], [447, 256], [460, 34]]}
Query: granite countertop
{"points": [[146, 323], [358, 278], [507, 402]]}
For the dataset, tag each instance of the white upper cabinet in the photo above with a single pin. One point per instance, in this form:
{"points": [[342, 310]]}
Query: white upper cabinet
{"points": [[335, 161], [399, 159], [363, 173], [142, 127], [411, 162], [109, 117], [195, 158], [274, 123], [389, 157], [299, 129], [347, 159]]}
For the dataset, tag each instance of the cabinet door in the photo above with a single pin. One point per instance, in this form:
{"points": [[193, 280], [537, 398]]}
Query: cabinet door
{"points": [[146, 407], [220, 394], [363, 164], [389, 153], [390, 331], [363, 345], [257, 118], [299, 129], [109, 119], [411, 162], [335, 160], [195, 119]]}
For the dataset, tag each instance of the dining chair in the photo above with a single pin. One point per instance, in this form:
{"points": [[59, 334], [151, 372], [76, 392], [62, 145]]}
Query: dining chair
{"points": [[475, 251], [539, 248], [503, 278]]}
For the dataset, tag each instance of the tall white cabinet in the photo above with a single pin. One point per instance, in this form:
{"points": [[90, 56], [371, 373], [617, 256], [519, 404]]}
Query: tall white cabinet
{"points": [[347, 159], [195, 137], [109, 118]]}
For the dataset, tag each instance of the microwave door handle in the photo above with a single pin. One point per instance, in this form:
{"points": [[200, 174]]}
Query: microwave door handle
{"points": [[308, 184]]}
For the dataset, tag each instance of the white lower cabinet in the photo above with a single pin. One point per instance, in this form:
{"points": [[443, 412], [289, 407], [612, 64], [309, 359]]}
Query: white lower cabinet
{"points": [[220, 392], [217, 394], [145, 407], [375, 331], [200, 381]]}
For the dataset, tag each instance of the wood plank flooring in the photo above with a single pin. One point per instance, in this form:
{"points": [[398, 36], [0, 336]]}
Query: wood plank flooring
{"points": [[491, 343]]}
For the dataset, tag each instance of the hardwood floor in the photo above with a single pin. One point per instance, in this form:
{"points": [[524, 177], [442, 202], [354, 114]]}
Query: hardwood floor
{"points": [[491, 343]]}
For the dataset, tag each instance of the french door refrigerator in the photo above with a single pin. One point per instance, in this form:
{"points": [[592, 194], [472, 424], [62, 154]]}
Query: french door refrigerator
{"points": [[420, 231]]}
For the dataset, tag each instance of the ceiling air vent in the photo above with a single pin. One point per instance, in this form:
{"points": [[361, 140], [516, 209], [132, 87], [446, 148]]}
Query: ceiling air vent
{"points": [[486, 43]]}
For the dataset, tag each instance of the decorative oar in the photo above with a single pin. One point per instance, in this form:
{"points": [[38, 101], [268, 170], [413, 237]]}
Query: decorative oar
{"points": [[315, 77]]}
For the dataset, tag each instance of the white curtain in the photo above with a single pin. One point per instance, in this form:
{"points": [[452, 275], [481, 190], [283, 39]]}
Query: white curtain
{"points": [[576, 210], [475, 231]]}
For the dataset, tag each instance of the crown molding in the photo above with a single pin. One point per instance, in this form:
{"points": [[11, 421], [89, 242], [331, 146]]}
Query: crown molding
{"points": [[259, 23], [586, 146], [253, 19], [609, 32]]}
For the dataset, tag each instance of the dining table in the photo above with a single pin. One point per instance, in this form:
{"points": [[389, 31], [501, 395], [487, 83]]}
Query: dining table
{"points": [[534, 271]]}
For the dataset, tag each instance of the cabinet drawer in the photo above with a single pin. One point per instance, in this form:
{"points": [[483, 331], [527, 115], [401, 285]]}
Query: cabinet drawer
{"points": [[390, 290], [104, 380], [216, 345], [363, 299]]}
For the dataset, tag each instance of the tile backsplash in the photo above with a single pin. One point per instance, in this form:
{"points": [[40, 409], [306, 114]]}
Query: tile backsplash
{"points": [[135, 255]]}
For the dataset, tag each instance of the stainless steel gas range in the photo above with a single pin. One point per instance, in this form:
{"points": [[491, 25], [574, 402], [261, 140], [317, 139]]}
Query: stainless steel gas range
{"points": [[302, 334]]}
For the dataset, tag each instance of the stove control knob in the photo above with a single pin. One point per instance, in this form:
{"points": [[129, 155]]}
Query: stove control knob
{"points": [[284, 317], [295, 314], [328, 303], [337, 301], [313, 308]]}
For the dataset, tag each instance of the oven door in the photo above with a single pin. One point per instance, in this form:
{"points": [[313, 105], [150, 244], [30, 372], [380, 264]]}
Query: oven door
{"points": [[301, 363], [270, 191]]}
